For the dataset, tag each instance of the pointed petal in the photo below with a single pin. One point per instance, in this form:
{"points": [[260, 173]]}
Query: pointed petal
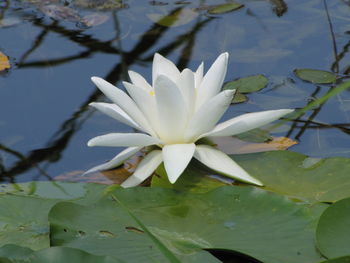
{"points": [[199, 75], [145, 102], [163, 66], [124, 102], [209, 114], [115, 112], [145, 169], [116, 161], [176, 157], [220, 162], [123, 139], [213, 80], [140, 81], [172, 112], [186, 85], [247, 122]]}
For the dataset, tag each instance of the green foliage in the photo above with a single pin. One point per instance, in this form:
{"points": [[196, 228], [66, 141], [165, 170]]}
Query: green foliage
{"points": [[224, 8], [300, 177], [248, 84], [316, 76], [333, 230]]}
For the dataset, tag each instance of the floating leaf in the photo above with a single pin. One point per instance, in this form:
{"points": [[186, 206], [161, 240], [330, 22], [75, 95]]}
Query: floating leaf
{"points": [[52, 255], [14, 252], [23, 221], [248, 220], [178, 18], [231, 145], [239, 98], [316, 76], [224, 8], [4, 62], [345, 259], [102, 5], [333, 230], [284, 172], [193, 179], [248, 84]]}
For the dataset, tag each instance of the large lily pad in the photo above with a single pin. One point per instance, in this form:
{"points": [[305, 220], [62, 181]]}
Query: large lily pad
{"points": [[23, 221], [244, 219], [333, 230], [298, 176], [16, 254]]}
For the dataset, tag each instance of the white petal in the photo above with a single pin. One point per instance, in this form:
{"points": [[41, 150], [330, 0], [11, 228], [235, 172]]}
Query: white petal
{"points": [[145, 101], [199, 75], [213, 80], [116, 161], [138, 80], [172, 112], [176, 158], [163, 66], [209, 114], [145, 169], [221, 163], [123, 101], [123, 139], [115, 112], [186, 85], [247, 122]]}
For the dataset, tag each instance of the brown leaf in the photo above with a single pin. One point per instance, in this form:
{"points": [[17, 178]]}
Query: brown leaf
{"points": [[4, 62], [232, 145], [114, 176]]}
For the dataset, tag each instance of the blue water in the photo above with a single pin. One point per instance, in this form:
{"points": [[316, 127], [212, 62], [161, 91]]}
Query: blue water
{"points": [[44, 119]]}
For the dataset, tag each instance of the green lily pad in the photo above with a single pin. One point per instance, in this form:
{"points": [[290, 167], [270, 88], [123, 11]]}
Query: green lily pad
{"points": [[298, 176], [333, 230], [345, 259], [23, 221], [248, 220], [52, 255], [14, 252], [225, 8], [239, 98], [101, 5], [316, 76], [193, 179], [248, 84], [55, 190]]}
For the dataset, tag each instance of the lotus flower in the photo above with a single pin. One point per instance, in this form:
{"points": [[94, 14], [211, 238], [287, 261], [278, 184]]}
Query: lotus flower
{"points": [[173, 114]]}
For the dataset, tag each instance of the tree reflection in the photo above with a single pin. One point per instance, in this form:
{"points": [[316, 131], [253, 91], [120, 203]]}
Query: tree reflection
{"points": [[60, 140]]}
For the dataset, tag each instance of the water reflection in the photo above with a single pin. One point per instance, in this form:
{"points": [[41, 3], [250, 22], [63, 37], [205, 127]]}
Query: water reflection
{"points": [[255, 35]]}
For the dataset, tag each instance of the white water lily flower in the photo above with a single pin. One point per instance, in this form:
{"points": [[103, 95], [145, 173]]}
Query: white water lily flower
{"points": [[173, 113]]}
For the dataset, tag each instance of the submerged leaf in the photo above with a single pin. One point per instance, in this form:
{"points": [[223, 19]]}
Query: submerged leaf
{"points": [[178, 18], [316, 76], [59, 12]]}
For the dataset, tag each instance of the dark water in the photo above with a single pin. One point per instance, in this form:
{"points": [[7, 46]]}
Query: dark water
{"points": [[44, 118]]}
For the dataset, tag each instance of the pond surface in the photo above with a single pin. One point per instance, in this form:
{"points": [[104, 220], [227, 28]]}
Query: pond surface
{"points": [[54, 47]]}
